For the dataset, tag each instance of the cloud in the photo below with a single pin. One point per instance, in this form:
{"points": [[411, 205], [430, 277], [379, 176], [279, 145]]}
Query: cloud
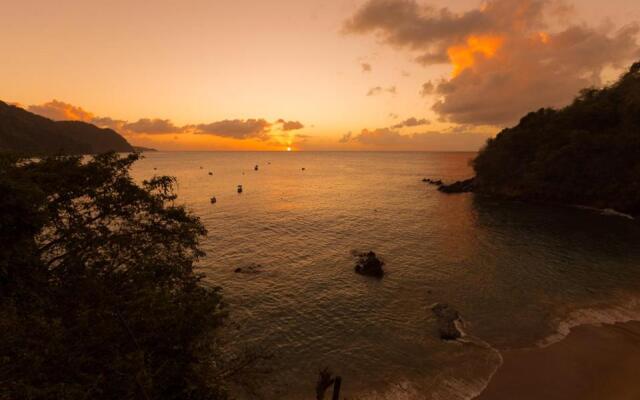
{"points": [[236, 129], [374, 91], [390, 139], [411, 122], [60, 111], [152, 126], [366, 67], [290, 125], [427, 89], [346, 138], [508, 57]]}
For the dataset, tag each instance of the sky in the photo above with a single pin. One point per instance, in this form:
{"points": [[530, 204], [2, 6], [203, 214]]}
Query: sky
{"points": [[429, 75]]}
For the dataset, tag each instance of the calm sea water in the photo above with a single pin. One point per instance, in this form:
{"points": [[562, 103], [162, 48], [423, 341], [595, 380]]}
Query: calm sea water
{"points": [[520, 275]]}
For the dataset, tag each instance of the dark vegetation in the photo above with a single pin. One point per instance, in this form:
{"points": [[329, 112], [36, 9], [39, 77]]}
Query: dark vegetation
{"points": [[99, 298], [28, 133], [587, 153]]}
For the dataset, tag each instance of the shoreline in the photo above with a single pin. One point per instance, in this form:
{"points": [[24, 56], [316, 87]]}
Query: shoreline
{"points": [[591, 362]]}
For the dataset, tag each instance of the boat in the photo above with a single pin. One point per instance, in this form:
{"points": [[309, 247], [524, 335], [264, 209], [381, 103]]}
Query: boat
{"points": [[239, 188], [255, 168], [213, 200]]}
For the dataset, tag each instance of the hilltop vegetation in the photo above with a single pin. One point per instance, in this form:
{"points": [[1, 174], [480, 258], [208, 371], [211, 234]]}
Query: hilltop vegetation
{"points": [[28, 133], [587, 153]]}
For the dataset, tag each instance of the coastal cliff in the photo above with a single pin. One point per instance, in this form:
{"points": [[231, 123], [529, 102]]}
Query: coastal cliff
{"points": [[24, 132], [587, 153]]}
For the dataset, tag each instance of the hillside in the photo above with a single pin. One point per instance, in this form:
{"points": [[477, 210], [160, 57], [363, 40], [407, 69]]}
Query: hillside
{"points": [[25, 132], [587, 153]]}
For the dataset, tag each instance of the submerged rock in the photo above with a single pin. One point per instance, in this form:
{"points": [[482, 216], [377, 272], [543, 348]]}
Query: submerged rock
{"points": [[465, 186], [369, 264], [447, 317], [252, 268]]}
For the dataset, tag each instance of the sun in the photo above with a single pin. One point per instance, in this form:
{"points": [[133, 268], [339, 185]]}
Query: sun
{"points": [[288, 148]]}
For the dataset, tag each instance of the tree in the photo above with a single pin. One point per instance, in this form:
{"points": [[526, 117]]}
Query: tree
{"points": [[99, 297]]}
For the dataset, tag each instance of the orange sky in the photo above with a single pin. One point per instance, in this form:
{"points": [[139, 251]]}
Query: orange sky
{"points": [[200, 62]]}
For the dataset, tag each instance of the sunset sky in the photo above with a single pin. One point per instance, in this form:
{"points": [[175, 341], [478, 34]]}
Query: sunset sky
{"points": [[309, 74]]}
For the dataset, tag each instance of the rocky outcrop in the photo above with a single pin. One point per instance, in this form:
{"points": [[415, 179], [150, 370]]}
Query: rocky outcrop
{"points": [[465, 186], [447, 317], [369, 264], [433, 181]]}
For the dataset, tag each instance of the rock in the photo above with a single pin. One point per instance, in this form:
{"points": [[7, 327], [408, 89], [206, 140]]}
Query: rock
{"points": [[459, 186], [369, 264], [447, 317], [249, 269], [432, 181]]}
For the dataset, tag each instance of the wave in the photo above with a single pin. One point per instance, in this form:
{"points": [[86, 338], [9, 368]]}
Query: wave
{"points": [[462, 382], [628, 310]]}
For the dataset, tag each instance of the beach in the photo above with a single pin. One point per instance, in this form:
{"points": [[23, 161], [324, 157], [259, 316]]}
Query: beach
{"points": [[592, 362]]}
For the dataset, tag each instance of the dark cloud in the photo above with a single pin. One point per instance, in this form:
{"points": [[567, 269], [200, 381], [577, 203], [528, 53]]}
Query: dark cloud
{"points": [[152, 126], [427, 89], [411, 122], [237, 129], [366, 67], [290, 125], [374, 91], [508, 56]]}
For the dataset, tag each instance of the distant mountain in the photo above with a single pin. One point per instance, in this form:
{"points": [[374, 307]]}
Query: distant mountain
{"points": [[25, 132], [141, 149]]}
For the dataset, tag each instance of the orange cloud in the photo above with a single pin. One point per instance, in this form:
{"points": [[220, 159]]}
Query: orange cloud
{"points": [[464, 56], [60, 111]]}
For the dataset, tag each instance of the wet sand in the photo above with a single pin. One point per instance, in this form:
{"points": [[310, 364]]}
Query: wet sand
{"points": [[591, 363]]}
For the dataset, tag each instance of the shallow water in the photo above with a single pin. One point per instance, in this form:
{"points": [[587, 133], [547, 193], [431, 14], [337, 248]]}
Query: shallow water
{"points": [[519, 274]]}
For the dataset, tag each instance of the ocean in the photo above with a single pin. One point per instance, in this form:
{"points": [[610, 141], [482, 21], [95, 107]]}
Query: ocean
{"points": [[520, 275]]}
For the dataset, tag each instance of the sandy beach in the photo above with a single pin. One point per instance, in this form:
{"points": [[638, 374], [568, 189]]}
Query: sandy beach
{"points": [[592, 362]]}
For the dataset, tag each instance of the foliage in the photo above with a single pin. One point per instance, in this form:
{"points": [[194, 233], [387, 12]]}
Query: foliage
{"points": [[587, 153], [99, 298]]}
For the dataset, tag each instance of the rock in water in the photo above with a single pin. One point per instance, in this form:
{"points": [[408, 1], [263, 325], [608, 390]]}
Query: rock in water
{"points": [[447, 317], [369, 264], [458, 187]]}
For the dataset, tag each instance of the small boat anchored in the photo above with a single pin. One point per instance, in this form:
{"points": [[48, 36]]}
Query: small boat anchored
{"points": [[214, 200]]}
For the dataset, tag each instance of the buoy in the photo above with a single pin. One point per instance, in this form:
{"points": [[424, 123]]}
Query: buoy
{"points": [[255, 168], [303, 168], [239, 188], [210, 173]]}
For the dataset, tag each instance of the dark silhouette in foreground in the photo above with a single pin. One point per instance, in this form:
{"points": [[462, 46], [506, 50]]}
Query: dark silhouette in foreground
{"points": [[99, 296], [325, 381]]}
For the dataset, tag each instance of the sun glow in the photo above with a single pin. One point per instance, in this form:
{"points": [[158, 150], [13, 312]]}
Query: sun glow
{"points": [[288, 148], [464, 56]]}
